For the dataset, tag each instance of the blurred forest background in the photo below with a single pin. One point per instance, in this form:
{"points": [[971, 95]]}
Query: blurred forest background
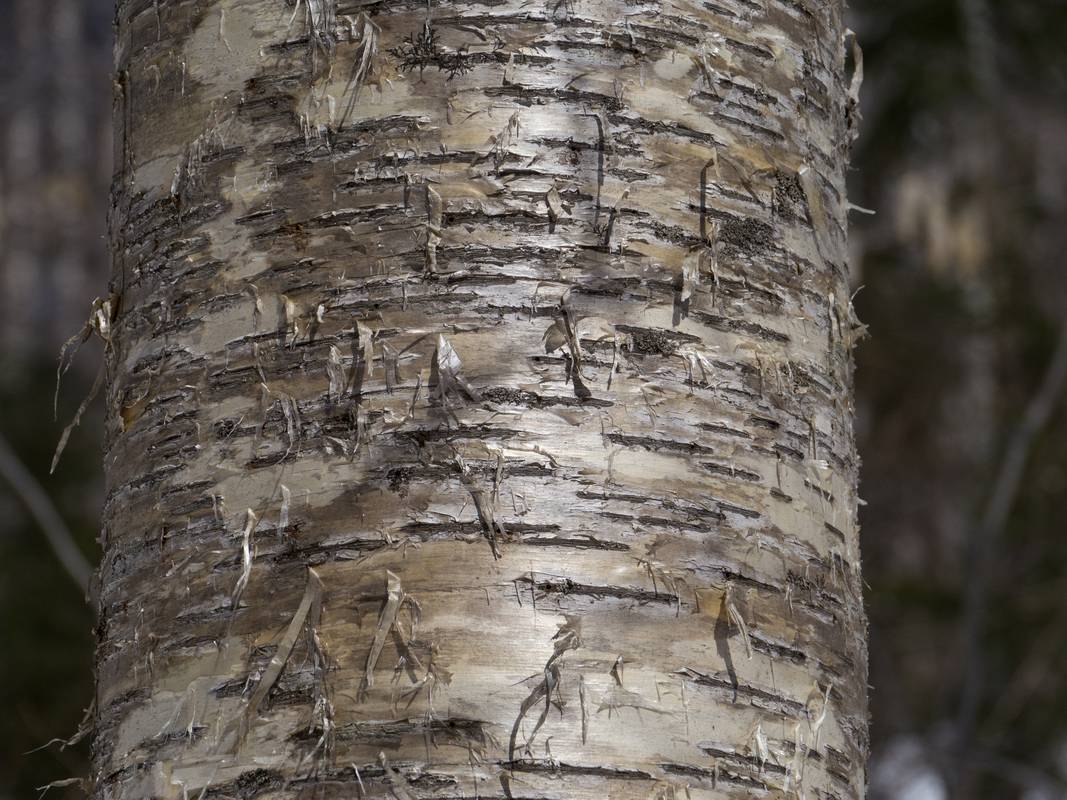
{"points": [[960, 276]]}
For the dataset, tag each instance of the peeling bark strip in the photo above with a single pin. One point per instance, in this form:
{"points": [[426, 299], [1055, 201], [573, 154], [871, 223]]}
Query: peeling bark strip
{"points": [[492, 377]]}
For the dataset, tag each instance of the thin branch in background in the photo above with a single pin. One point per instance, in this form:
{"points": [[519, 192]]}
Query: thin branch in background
{"points": [[1005, 489], [981, 38], [1049, 644], [44, 512]]}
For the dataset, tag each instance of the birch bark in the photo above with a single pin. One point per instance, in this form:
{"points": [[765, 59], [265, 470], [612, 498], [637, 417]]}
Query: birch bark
{"points": [[479, 389]]}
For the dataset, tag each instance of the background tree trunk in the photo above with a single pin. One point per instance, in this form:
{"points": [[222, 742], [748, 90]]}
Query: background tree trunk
{"points": [[479, 391]]}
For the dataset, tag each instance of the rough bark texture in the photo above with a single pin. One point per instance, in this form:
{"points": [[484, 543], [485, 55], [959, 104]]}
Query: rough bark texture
{"points": [[479, 398]]}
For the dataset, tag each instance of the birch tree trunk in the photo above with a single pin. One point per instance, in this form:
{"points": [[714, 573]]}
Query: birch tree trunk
{"points": [[479, 389]]}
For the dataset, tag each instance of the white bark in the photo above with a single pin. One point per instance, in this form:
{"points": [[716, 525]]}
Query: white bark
{"points": [[531, 319]]}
